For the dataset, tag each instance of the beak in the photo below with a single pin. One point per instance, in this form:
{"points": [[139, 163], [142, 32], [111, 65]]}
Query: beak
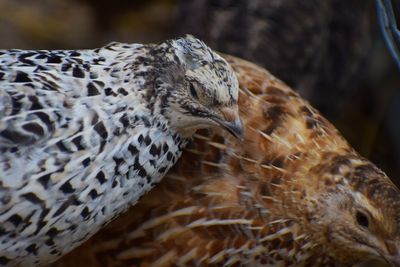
{"points": [[230, 120]]}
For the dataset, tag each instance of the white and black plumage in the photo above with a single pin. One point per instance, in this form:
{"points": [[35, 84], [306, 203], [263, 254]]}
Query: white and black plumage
{"points": [[84, 134]]}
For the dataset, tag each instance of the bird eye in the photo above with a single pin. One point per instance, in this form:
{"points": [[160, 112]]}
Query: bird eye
{"points": [[193, 91], [362, 219]]}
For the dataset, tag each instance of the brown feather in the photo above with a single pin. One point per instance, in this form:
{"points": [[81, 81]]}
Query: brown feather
{"points": [[260, 201]]}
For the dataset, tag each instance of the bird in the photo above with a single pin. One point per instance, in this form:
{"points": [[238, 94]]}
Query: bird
{"points": [[85, 133], [316, 47], [292, 193]]}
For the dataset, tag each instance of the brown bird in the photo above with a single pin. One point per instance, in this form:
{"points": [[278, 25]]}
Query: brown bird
{"points": [[293, 193]]}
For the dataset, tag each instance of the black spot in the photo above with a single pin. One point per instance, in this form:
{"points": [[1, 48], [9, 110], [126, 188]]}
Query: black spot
{"points": [[85, 213], [147, 140], [102, 145], [141, 171], [86, 162], [101, 130], [92, 90], [133, 149], [33, 128], [146, 122], [32, 249], [27, 62], [101, 177], [32, 198], [61, 146], [140, 139], [16, 105], [22, 77], [44, 180], [2, 76], [108, 91], [16, 137], [40, 226], [70, 201], [93, 194], [162, 169], [124, 120], [154, 150], [67, 188], [44, 118], [66, 66], [54, 252], [53, 232], [75, 201], [35, 103], [77, 72], [118, 161], [114, 184], [54, 59], [27, 54], [15, 219], [122, 91], [74, 54], [148, 179], [77, 142], [169, 156], [165, 147]]}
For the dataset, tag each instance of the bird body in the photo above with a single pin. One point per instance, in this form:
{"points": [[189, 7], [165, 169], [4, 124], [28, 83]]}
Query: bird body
{"points": [[293, 193], [85, 133]]}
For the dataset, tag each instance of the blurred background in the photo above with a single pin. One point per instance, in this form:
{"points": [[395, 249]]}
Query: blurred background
{"points": [[330, 51]]}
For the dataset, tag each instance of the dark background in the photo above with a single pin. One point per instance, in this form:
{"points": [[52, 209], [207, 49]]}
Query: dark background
{"points": [[331, 51]]}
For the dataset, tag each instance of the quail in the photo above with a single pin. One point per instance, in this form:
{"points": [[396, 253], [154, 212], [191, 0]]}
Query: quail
{"points": [[85, 133], [293, 193]]}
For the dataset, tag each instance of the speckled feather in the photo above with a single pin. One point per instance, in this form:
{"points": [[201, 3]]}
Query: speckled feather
{"points": [[84, 134], [287, 195]]}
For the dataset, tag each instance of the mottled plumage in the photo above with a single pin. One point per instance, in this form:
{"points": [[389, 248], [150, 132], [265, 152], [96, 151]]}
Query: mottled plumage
{"points": [[85, 133], [293, 193]]}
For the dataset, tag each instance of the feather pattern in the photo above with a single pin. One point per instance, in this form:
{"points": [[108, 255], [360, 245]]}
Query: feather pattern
{"points": [[85, 133], [293, 193]]}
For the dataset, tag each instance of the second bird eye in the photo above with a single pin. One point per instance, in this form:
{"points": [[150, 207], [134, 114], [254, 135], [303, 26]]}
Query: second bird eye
{"points": [[193, 91]]}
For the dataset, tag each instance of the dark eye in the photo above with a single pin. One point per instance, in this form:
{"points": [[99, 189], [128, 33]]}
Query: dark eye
{"points": [[193, 91], [362, 219]]}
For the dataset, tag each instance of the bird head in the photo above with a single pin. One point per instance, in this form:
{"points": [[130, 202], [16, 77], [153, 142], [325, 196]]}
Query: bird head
{"points": [[202, 89], [361, 216]]}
